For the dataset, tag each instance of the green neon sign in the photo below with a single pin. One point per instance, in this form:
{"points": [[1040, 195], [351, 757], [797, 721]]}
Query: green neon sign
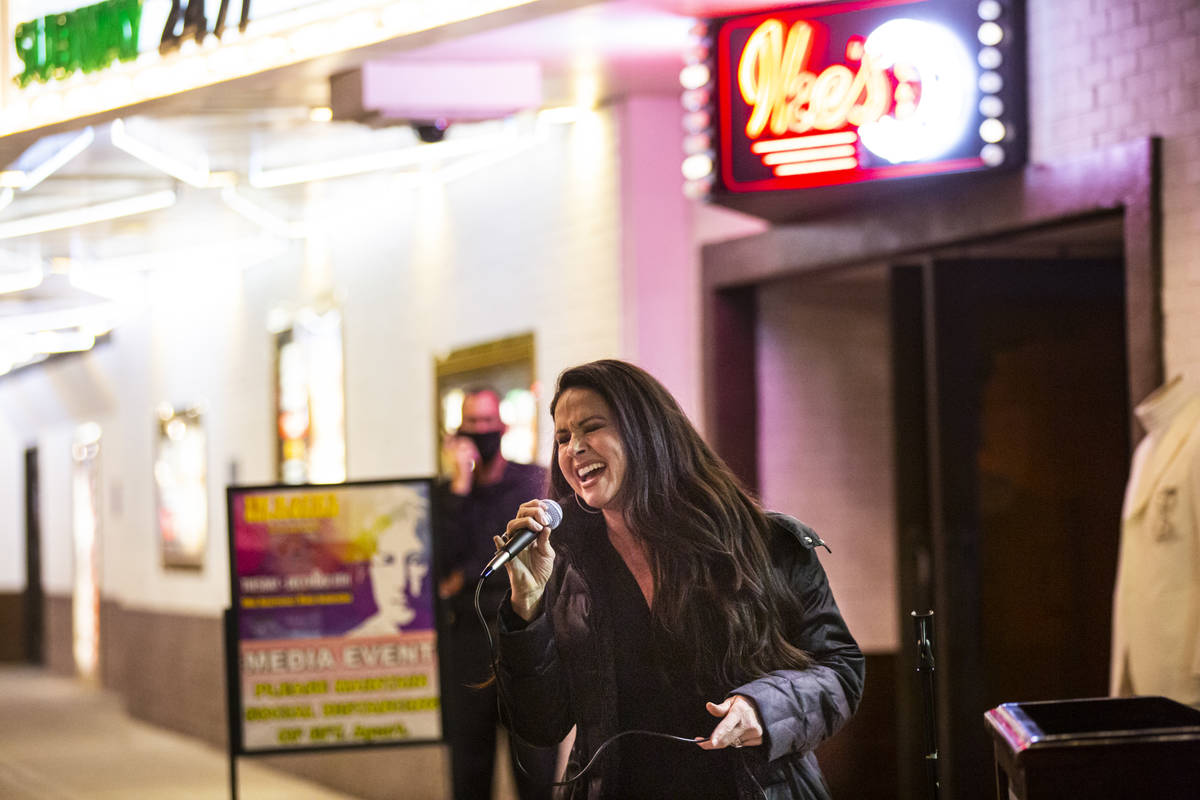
{"points": [[87, 39]]}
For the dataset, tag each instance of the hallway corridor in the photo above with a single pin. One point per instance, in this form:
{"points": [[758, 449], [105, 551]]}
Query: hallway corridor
{"points": [[63, 740]]}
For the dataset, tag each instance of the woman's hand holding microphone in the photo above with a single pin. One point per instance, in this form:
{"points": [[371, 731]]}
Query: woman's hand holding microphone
{"points": [[529, 571]]}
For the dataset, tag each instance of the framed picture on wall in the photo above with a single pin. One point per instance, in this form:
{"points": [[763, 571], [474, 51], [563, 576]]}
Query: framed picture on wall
{"points": [[310, 398], [181, 487], [505, 365]]}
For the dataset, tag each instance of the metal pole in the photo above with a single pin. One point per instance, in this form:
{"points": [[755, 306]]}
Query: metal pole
{"points": [[925, 669], [232, 713]]}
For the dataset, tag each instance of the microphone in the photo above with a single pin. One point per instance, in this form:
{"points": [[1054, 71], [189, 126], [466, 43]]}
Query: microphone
{"points": [[522, 539]]}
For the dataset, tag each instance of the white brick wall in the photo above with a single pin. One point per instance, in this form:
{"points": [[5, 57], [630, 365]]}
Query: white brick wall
{"points": [[1108, 71]]}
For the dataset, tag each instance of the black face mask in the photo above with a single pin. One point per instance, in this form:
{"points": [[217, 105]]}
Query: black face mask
{"points": [[488, 444]]}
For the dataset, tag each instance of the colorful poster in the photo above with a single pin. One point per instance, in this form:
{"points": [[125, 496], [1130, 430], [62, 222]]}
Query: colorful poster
{"points": [[334, 615]]}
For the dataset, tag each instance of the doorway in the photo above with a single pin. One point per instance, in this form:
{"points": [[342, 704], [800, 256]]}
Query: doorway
{"points": [[32, 601], [1012, 419]]}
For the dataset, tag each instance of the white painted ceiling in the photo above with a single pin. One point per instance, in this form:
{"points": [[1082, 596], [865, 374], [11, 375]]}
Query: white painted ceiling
{"points": [[628, 46]]}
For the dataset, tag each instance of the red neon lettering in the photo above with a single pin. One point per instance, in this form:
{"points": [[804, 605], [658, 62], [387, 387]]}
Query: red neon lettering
{"points": [[786, 97]]}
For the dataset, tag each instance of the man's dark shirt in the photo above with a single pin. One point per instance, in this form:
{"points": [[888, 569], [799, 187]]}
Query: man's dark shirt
{"points": [[463, 540], [467, 524]]}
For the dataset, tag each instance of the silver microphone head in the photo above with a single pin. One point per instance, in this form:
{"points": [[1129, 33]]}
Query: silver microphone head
{"points": [[554, 512]]}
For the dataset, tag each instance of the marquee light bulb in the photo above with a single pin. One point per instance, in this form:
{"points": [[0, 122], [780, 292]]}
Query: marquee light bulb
{"points": [[992, 130], [697, 166], [694, 54], [696, 121], [695, 99], [990, 34], [697, 190], [693, 76], [990, 10], [992, 155], [696, 143], [991, 106]]}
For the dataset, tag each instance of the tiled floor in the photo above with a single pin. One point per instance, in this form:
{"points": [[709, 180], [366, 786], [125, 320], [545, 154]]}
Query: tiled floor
{"points": [[63, 740]]}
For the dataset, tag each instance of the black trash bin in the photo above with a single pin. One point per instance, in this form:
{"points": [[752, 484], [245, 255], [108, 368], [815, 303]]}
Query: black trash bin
{"points": [[1111, 747]]}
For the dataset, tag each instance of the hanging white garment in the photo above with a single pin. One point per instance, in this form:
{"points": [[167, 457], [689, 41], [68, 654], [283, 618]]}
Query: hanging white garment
{"points": [[1156, 606]]}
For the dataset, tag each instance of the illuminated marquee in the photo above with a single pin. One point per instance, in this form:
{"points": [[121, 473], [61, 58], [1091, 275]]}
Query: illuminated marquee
{"points": [[861, 91], [63, 65], [91, 38], [87, 39]]}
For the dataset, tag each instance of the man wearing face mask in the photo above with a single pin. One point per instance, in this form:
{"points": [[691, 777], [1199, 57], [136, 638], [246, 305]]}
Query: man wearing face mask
{"points": [[474, 504]]}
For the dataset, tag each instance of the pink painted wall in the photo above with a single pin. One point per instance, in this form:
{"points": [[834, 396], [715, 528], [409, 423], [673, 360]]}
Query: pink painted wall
{"points": [[660, 283], [825, 435]]}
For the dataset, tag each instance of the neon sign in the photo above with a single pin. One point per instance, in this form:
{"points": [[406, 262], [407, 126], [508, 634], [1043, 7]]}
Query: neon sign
{"points": [[91, 38], [190, 22], [775, 80], [861, 91], [87, 39], [173, 53]]}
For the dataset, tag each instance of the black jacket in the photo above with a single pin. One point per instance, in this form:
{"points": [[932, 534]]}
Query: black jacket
{"points": [[556, 672]]}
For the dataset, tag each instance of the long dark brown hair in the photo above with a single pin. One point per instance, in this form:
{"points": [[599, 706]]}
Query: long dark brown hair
{"points": [[716, 596]]}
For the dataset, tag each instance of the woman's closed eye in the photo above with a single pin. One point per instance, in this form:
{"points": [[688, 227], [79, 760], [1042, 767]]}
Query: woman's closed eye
{"points": [[565, 438]]}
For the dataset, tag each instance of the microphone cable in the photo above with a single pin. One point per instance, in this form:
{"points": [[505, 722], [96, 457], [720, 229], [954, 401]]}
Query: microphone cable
{"points": [[502, 704]]}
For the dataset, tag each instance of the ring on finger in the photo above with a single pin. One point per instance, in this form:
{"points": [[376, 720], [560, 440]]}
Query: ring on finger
{"points": [[737, 742]]}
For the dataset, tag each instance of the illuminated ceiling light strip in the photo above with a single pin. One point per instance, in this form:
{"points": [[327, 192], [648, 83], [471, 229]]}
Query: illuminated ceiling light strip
{"points": [[272, 223], [831, 165], [115, 209], [244, 252], [11, 359], [59, 160], [61, 341], [6, 197], [815, 154], [798, 142], [94, 319], [175, 167], [20, 281], [372, 162]]}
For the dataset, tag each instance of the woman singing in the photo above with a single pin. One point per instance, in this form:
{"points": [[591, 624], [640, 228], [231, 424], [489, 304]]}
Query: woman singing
{"points": [[668, 602]]}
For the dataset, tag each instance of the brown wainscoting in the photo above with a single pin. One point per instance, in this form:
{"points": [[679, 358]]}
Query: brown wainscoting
{"points": [[861, 761], [59, 636], [169, 670], [12, 627]]}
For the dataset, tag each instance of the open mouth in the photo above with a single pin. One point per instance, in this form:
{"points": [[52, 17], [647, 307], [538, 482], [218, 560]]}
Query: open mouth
{"points": [[590, 473]]}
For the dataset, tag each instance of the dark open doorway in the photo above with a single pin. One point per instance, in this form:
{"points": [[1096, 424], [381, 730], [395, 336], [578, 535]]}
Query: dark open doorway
{"points": [[32, 599], [1013, 447]]}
